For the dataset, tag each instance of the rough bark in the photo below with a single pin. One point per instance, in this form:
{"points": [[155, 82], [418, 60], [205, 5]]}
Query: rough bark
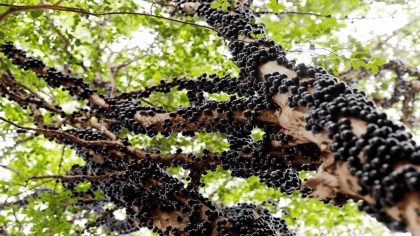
{"points": [[334, 175]]}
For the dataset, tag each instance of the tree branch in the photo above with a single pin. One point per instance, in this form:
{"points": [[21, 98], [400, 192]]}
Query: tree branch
{"points": [[73, 177], [308, 116], [11, 169], [60, 134], [17, 8]]}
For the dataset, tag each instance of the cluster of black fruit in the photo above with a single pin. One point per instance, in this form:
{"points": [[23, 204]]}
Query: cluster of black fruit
{"points": [[372, 156], [55, 79], [402, 87], [208, 116], [250, 218], [256, 98], [276, 170], [121, 189], [145, 190], [230, 26]]}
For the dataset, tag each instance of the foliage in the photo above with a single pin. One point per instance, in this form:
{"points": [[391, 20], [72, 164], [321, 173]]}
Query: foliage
{"points": [[146, 50]]}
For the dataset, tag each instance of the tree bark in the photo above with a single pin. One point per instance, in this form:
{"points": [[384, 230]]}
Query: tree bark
{"points": [[334, 176]]}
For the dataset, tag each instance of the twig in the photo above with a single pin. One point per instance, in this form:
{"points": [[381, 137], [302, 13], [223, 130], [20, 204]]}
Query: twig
{"points": [[131, 77], [60, 164], [15, 8], [54, 133], [17, 143], [61, 159], [11, 169], [66, 45], [259, 13], [71, 177], [16, 219]]}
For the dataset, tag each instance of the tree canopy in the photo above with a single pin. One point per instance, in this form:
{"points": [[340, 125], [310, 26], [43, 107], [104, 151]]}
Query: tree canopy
{"points": [[105, 103]]}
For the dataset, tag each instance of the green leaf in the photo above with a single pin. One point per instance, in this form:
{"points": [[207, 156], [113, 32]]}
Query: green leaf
{"points": [[380, 61], [375, 69], [275, 6], [83, 187], [224, 5], [257, 36], [215, 5], [98, 195], [355, 64], [363, 64], [36, 13]]}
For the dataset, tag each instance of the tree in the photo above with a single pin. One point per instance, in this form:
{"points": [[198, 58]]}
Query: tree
{"points": [[307, 120]]}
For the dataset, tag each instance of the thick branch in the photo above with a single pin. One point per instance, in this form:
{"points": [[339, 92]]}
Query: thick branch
{"points": [[315, 108]]}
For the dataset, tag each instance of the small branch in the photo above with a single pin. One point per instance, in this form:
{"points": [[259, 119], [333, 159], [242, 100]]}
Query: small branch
{"points": [[16, 219], [66, 44], [24, 200], [54, 133], [71, 177], [74, 85], [15, 8], [8, 150], [391, 65], [22, 97], [11, 169], [259, 13], [131, 77], [60, 164], [33, 187]]}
